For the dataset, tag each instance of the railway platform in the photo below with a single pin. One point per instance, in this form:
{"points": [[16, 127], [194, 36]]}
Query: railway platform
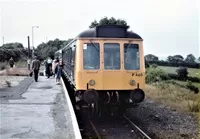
{"points": [[43, 111]]}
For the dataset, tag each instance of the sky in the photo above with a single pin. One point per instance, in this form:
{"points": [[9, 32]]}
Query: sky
{"points": [[168, 27]]}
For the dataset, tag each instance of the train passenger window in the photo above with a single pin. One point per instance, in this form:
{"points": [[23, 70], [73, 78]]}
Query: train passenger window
{"points": [[91, 56], [131, 57], [111, 56]]}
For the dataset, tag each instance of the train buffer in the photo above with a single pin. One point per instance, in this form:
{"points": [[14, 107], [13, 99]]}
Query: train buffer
{"points": [[42, 110]]}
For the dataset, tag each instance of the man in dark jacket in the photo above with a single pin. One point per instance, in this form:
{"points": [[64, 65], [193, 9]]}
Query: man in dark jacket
{"points": [[11, 62], [36, 68]]}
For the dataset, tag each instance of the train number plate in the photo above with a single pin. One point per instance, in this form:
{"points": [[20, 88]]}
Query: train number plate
{"points": [[137, 74]]}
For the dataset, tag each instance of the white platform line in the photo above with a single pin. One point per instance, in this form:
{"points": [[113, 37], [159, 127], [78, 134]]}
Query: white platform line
{"points": [[73, 116]]}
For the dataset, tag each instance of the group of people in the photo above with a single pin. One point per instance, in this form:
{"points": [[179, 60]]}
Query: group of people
{"points": [[52, 67]]}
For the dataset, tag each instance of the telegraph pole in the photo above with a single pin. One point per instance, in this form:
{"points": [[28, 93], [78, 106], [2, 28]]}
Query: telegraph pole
{"points": [[3, 40], [28, 47], [28, 60]]}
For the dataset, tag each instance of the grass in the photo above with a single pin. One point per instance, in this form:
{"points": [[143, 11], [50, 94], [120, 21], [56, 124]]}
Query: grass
{"points": [[184, 83], [192, 72], [177, 98]]}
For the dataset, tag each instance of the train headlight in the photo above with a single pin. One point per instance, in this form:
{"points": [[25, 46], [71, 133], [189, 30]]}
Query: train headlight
{"points": [[91, 82], [132, 82]]}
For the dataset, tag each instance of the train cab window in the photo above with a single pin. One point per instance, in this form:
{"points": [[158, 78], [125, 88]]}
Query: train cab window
{"points": [[131, 57], [91, 56], [111, 56]]}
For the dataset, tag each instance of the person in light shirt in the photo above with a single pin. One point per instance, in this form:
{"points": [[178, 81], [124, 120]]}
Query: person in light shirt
{"points": [[49, 67], [54, 66]]}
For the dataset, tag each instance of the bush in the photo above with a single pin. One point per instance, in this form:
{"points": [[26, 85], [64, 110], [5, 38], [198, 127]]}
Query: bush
{"points": [[155, 75], [182, 73], [177, 77], [154, 65], [146, 64], [2, 66], [193, 79], [190, 86]]}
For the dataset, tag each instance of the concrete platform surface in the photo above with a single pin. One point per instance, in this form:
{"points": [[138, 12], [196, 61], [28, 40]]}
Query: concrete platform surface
{"points": [[41, 113]]}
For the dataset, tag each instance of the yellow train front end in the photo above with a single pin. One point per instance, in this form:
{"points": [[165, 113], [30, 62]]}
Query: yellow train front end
{"points": [[110, 70]]}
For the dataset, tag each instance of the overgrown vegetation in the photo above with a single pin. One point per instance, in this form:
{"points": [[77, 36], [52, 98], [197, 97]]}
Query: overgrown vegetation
{"points": [[154, 74], [176, 97], [174, 92]]}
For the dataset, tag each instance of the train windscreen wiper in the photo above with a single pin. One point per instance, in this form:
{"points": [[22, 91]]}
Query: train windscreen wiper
{"points": [[94, 46]]}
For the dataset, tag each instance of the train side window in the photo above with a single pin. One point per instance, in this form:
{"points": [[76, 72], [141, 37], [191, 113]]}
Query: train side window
{"points": [[131, 57], [91, 56], [111, 56]]}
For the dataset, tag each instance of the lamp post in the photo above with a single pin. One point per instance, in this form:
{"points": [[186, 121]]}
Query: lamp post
{"points": [[33, 39]]}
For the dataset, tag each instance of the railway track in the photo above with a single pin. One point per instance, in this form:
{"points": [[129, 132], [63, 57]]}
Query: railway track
{"points": [[95, 130], [120, 128], [141, 133]]}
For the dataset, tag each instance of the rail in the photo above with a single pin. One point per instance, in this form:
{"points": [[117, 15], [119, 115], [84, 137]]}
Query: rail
{"points": [[144, 135], [95, 130]]}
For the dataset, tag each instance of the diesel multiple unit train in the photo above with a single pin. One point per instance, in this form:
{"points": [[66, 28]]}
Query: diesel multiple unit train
{"points": [[105, 67]]}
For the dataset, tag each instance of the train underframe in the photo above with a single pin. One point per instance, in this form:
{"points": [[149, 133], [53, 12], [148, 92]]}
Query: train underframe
{"points": [[100, 102]]}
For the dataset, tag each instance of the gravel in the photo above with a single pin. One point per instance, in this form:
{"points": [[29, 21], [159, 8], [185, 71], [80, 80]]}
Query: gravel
{"points": [[160, 122], [19, 85], [14, 80]]}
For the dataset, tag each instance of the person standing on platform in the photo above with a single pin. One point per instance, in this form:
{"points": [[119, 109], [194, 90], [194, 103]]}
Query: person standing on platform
{"points": [[54, 66], [11, 62], [49, 67], [36, 68], [58, 72]]}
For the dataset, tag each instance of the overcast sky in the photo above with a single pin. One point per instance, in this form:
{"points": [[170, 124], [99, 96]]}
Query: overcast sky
{"points": [[168, 27]]}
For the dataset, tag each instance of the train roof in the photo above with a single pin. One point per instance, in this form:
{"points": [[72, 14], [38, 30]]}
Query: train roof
{"points": [[108, 31]]}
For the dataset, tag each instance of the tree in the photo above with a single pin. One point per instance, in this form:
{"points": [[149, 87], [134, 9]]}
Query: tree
{"points": [[178, 59], [48, 49], [94, 24], [190, 58], [108, 21], [15, 50], [199, 59], [151, 57], [170, 59]]}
